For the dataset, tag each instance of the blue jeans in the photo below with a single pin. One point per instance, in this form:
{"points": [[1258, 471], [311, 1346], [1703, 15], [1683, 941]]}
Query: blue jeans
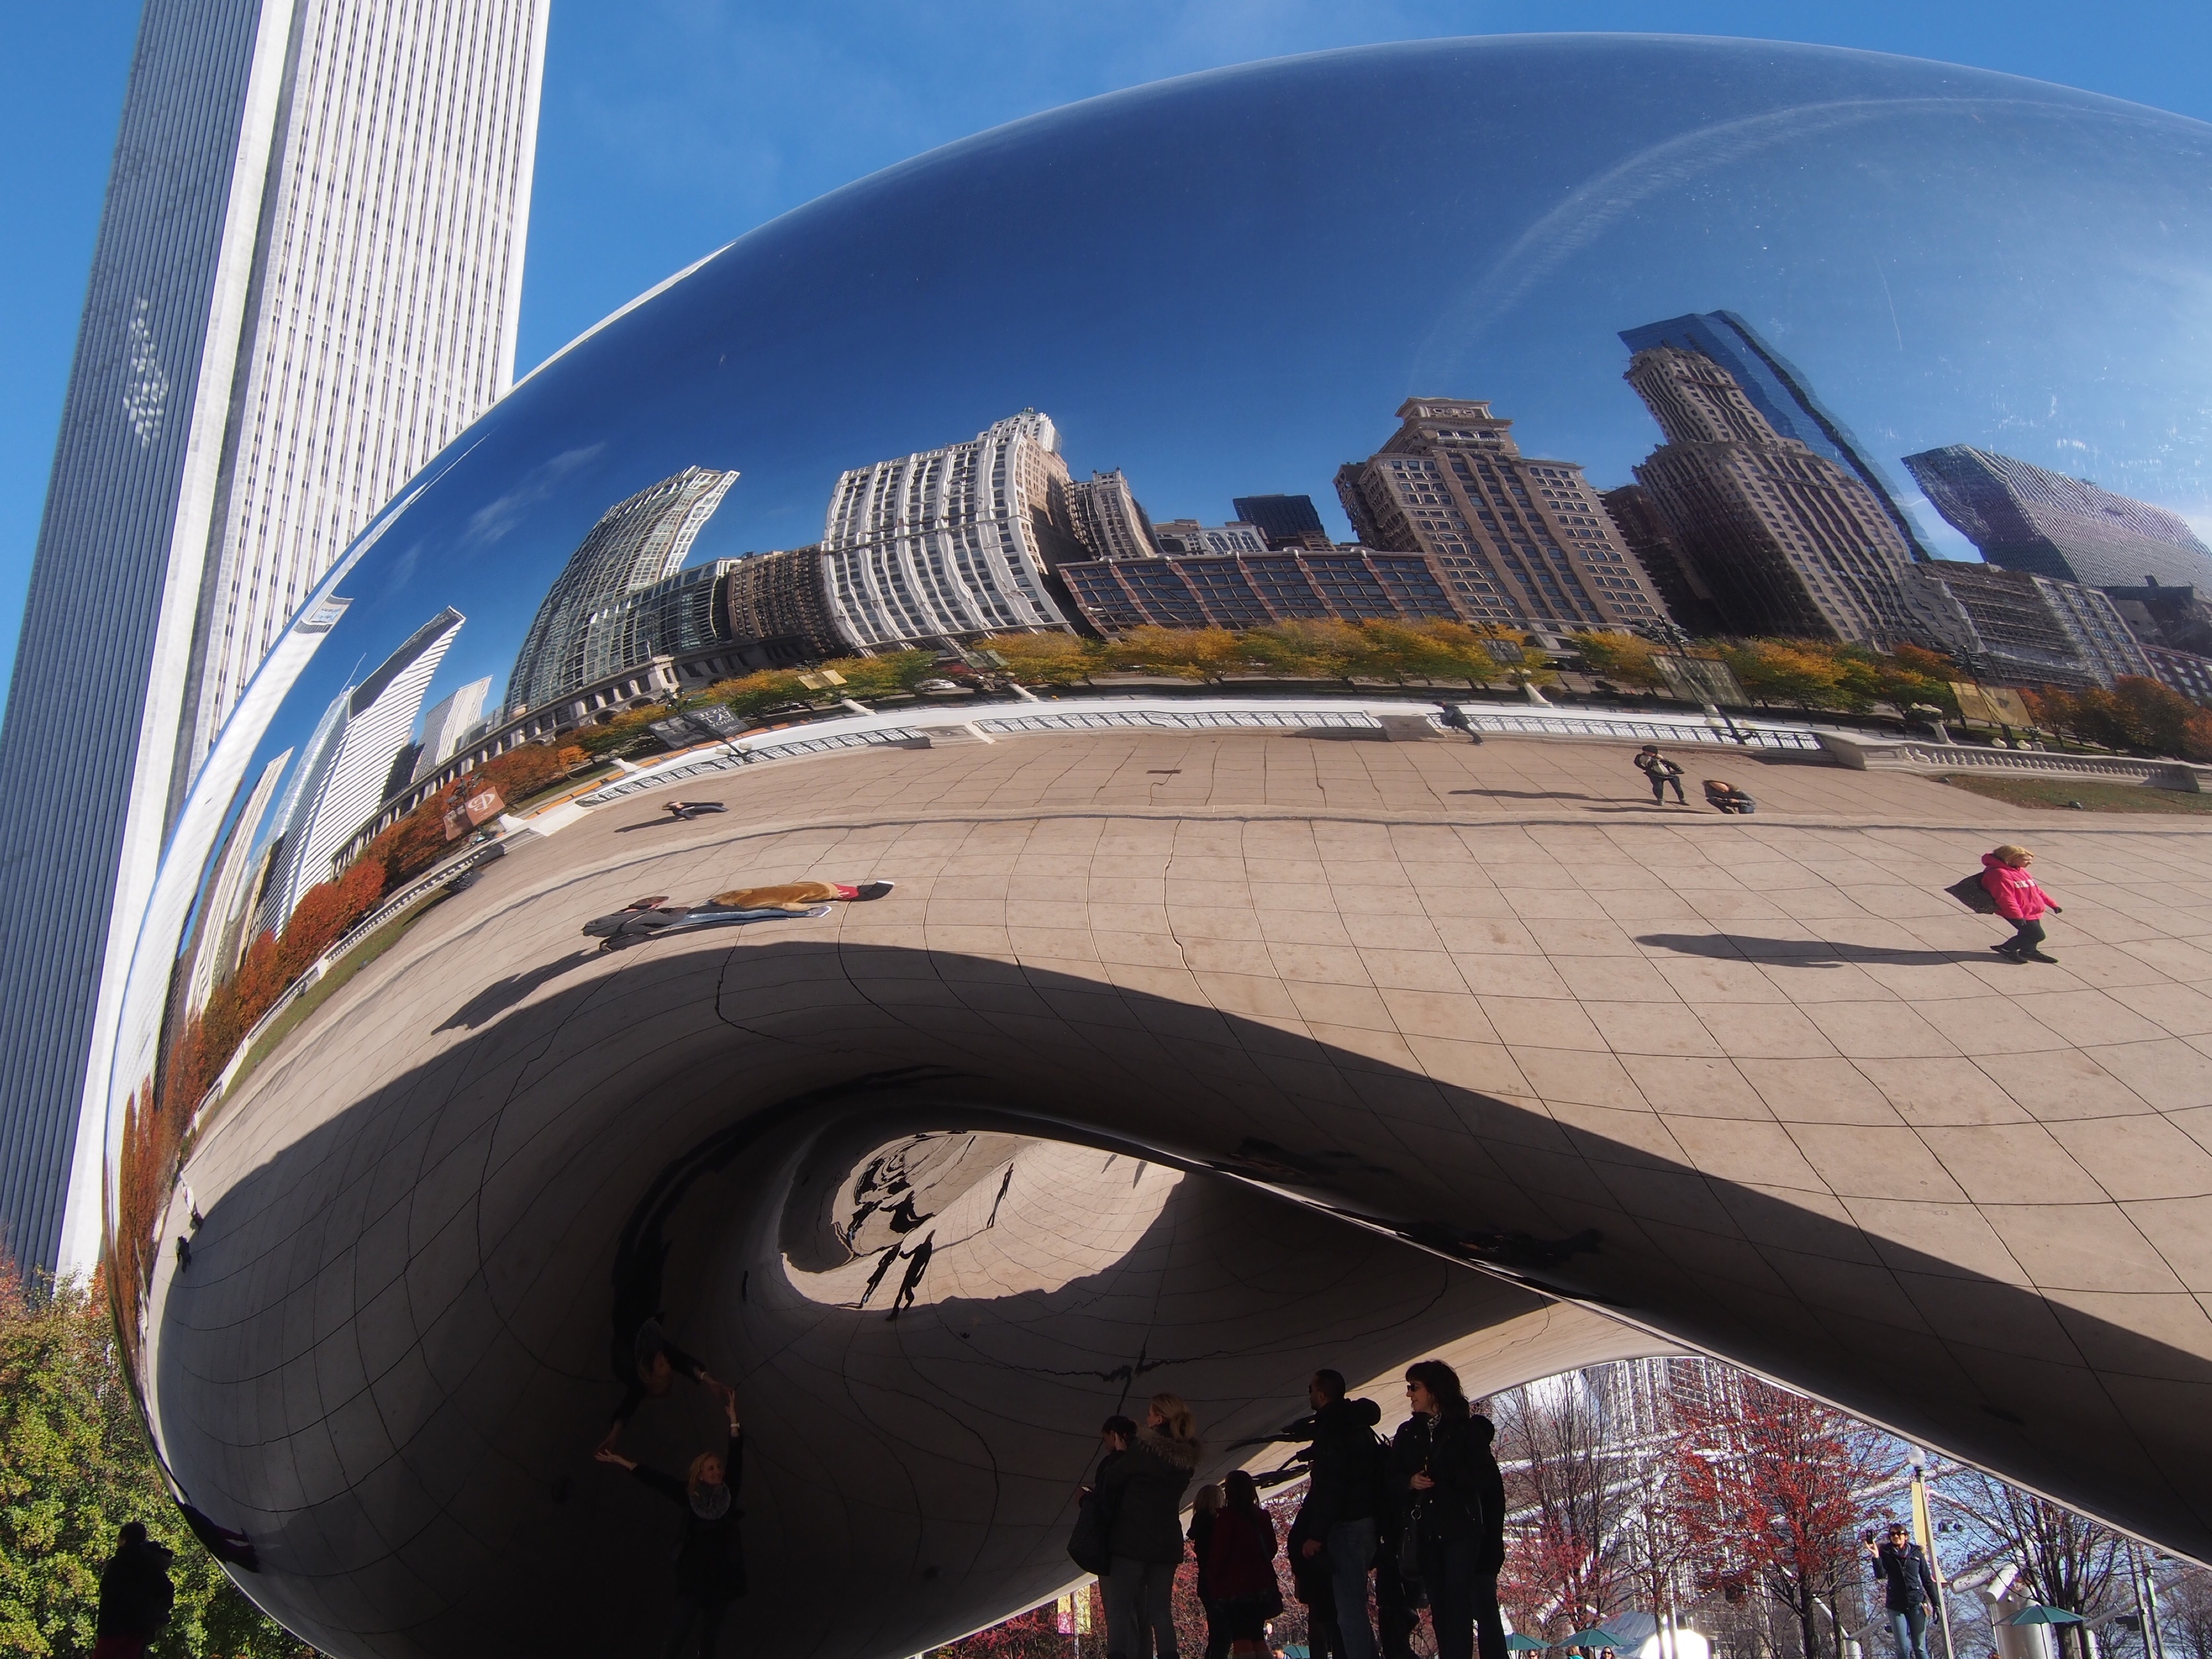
{"points": [[1910, 1631], [1351, 1551]]}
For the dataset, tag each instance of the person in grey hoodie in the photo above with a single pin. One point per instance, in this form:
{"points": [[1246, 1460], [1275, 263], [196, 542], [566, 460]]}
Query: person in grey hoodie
{"points": [[1146, 1486]]}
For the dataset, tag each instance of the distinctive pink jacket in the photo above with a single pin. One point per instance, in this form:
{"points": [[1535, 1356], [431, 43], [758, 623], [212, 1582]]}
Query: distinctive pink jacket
{"points": [[2018, 897]]}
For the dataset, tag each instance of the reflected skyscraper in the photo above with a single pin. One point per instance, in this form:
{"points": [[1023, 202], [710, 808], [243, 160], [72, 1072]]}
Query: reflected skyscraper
{"points": [[306, 283], [1786, 540], [341, 779], [2026, 516], [953, 542], [1780, 392], [1284, 520], [635, 543], [1108, 519], [1519, 540]]}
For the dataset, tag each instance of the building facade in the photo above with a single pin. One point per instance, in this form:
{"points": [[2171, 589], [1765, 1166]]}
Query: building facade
{"points": [[2014, 627], [1681, 590], [777, 606], [679, 615], [1783, 395], [636, 544], [1251, 590], [1189, 538], [1284, 520], [305, 284], [2026, 516], [952, 543], [1109, 519], [1786, 540], [1519, 541], [451, 722], [2182, 670], [344, 775]]}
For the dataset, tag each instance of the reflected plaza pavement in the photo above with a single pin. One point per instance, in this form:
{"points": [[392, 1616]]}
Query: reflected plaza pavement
{"points": [[1176, 1061]]}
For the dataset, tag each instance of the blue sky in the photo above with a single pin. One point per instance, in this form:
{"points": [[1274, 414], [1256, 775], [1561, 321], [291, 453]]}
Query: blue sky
{"points": [[671, 126]]}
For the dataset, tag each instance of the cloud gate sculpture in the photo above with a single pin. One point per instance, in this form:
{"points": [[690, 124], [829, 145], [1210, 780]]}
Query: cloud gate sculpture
{"points": [[1182, 1052]]}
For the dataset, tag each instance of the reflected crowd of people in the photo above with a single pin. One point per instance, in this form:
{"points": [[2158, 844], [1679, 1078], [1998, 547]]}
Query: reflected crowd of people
{"points": [[1387, 1528]]}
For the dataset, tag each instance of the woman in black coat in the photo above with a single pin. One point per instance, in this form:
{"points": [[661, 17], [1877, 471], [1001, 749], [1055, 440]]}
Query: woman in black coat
{"points": [[1146, 1485], [1438, 1466], [710, 1562]]}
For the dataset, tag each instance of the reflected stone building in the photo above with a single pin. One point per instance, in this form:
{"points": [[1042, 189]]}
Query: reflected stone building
{"points": [[1253, 590], [2012, 626], [1782, 393], [954, 543], [2026, 516], [306, 283], [1108, 519], [1188, 538], [1787, 541], [636, 544], [1518, 540]]}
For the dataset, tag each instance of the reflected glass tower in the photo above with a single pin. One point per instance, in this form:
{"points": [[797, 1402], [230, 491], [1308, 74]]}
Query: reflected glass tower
{"points": [[1284, 520], [636, 544], [2026, 516], [1780, 392], [305, 284]]}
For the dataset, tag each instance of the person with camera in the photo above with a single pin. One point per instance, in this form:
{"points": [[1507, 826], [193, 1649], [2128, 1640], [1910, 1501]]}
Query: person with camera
{"points": [[1438, 1462], [710, 1562], [1901, 1567], [135, 1596], [1336, 1525]]}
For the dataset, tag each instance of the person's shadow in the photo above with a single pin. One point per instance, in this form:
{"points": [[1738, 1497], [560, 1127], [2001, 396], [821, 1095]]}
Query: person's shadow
{"points": [[498, 997], [1800, 952]]}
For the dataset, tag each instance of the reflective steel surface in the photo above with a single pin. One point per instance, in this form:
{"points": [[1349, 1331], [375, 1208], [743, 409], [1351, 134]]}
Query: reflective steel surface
{"points": [[1169, 1059]]}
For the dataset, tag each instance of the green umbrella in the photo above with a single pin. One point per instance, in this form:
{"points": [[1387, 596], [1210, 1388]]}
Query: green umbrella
{"points": [[2037, 1614], [1520, 1643], [1592, 1638]]}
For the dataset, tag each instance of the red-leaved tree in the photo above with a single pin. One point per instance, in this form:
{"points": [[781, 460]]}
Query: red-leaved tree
{"points": [[1769, 1482]]}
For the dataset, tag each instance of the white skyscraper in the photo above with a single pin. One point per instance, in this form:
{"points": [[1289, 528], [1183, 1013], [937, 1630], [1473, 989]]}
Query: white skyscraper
{"points": [[304, 284], [445, 725], [341, 778], [953, 542]]}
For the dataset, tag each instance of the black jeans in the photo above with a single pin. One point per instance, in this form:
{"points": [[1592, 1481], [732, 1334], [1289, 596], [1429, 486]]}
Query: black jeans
{"points": [[1448, 1572], [1659, 782], [704, 1611], [1139, 1598], [2025, 936], [1489, 1622]]}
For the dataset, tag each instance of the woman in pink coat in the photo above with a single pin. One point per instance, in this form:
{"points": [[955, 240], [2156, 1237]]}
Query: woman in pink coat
{"points": [[2020, 900]]}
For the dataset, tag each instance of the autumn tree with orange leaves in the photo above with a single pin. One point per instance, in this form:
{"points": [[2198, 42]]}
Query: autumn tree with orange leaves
{"points": [[1769, 1483]]}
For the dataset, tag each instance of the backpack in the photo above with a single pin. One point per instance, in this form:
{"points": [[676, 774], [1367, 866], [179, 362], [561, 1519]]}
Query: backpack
{"points": [[1971, 894]]}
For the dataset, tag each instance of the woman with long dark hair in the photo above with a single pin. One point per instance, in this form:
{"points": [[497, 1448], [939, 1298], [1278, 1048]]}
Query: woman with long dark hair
{"points": [[1241, 1569], [710, 1563], [1434, 1459], [1203, 1509]]}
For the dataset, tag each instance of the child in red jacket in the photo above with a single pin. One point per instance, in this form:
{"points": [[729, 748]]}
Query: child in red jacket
{"points": [[2020, 900]]}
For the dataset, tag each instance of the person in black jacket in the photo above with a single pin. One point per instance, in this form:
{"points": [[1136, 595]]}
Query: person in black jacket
{"points": [[1900, 1566], [1490, 1561], [1203, 1510], [1337, 1522], [135, 1595], [1146, 1486], [1436, 1458], [710, 1563]]}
